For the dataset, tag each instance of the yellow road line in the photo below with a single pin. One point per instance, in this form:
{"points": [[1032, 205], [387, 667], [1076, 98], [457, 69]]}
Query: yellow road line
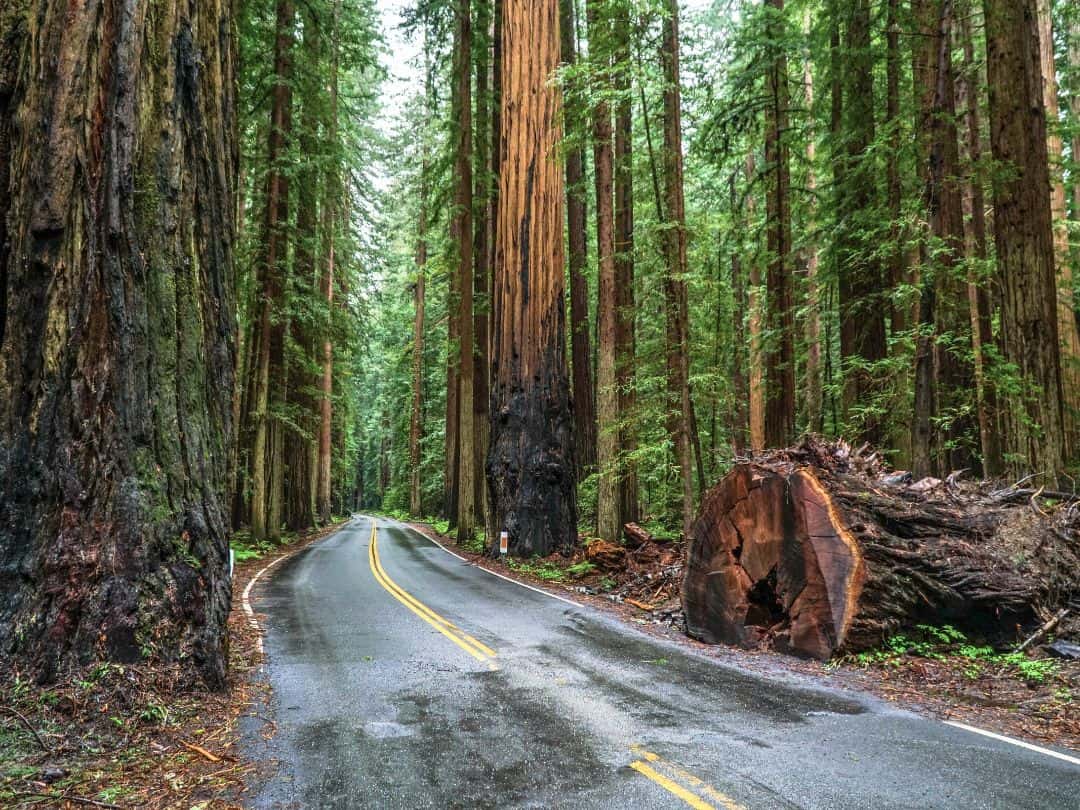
{"points": [[473, 647], [683, 789], [421, 606]]}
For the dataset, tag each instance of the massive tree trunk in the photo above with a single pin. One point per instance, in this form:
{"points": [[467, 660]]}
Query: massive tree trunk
{"points": [[576, 225], [116, 366], [1034, 431], [780, 284], [681, 420], [817, 550], [625, 331], [461, 233], [1066, 309], [979, 303], [531, 461], [893, 182], [862, 303], [417, 411], [608, 519]]}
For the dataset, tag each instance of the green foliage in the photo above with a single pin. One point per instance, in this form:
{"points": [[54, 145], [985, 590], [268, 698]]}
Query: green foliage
{"points": [[546, 571], [581, 569]]}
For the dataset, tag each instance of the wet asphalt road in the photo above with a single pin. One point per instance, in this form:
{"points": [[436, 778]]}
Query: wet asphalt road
{"points": [[376, 708]]}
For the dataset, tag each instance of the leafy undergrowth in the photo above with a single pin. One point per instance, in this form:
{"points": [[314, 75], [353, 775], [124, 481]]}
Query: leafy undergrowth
{"points": [[941, 669], [125, 736]]}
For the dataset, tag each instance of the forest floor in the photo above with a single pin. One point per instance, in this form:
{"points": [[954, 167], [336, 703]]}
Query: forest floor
{"points": [[131, 736], [934, 671]]}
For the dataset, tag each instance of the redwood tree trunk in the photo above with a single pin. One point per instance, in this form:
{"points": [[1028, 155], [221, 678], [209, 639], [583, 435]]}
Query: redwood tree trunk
{"points": [[116, 367], [862, 315], [462, 235], [625, 332], [780, 310], [1023, 230], [681, 421], [531, 461], [608, 519], [576, 225]]}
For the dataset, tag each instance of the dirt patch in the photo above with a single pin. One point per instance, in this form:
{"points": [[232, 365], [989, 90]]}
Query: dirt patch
{"points": [[126, 736]]}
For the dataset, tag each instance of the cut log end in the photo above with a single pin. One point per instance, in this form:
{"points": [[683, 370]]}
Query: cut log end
{"points": [[771, 560]]}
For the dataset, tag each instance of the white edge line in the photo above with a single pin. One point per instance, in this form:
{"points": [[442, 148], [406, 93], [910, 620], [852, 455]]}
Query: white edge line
{"points": [[1012, 741], [495, 573], [1000, 737], [245, 598]]}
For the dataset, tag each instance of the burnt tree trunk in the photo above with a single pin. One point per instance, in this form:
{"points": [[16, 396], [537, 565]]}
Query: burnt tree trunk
{"points": [[815, 551], [116, 367], [531, 462]]}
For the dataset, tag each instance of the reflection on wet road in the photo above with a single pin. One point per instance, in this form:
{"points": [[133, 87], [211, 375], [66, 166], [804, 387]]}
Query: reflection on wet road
{"points": [[406, 678]]}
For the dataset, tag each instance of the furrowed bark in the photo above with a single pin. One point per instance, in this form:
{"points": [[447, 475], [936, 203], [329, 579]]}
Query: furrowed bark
{"points": [[462, 236], [625, 332], [780, 309], [608, 518], [531, 464], [116, 367], [1023, 230]]}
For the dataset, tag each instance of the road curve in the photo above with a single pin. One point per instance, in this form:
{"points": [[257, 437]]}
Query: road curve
{"points": [[404, 677]]}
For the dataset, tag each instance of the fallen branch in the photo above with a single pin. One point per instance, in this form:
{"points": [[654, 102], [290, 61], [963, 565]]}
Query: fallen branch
{"points": [[640, 605], [29, 727], [1042, 631], [200, 750], [67, 797]]}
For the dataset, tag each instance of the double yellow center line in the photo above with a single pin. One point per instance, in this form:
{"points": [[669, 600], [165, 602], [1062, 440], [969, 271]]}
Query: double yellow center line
{"points": [[477, 649], [669, 776], [683, 784]]}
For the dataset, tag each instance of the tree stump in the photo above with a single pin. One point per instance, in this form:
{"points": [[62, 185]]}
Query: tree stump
{"points": [[817, 550]]}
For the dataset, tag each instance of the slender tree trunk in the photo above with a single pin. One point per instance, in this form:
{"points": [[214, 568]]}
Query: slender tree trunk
{"points": [[1074, 104], [625, 332], [1023, 228], [482, 262], [968, 90], [1067, 324], [780, 308], [811, 260], [675, 293], [531, 462], [608, 519], [577, 225], [462, 236], [331, 193], [117, 357], [301, 448], [897, 270], [265, 492], [740, 388], [862, 303], [755, 324], [416, 419]]}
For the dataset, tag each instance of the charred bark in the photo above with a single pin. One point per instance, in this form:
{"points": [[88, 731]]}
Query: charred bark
{"points": [[530, 463]]}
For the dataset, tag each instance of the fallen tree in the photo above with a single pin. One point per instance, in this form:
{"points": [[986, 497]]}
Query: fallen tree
{"points": [[819, 549]]}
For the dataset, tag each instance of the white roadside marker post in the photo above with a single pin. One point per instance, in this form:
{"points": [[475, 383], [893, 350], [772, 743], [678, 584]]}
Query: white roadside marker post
{"points": [[504, 543]]}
